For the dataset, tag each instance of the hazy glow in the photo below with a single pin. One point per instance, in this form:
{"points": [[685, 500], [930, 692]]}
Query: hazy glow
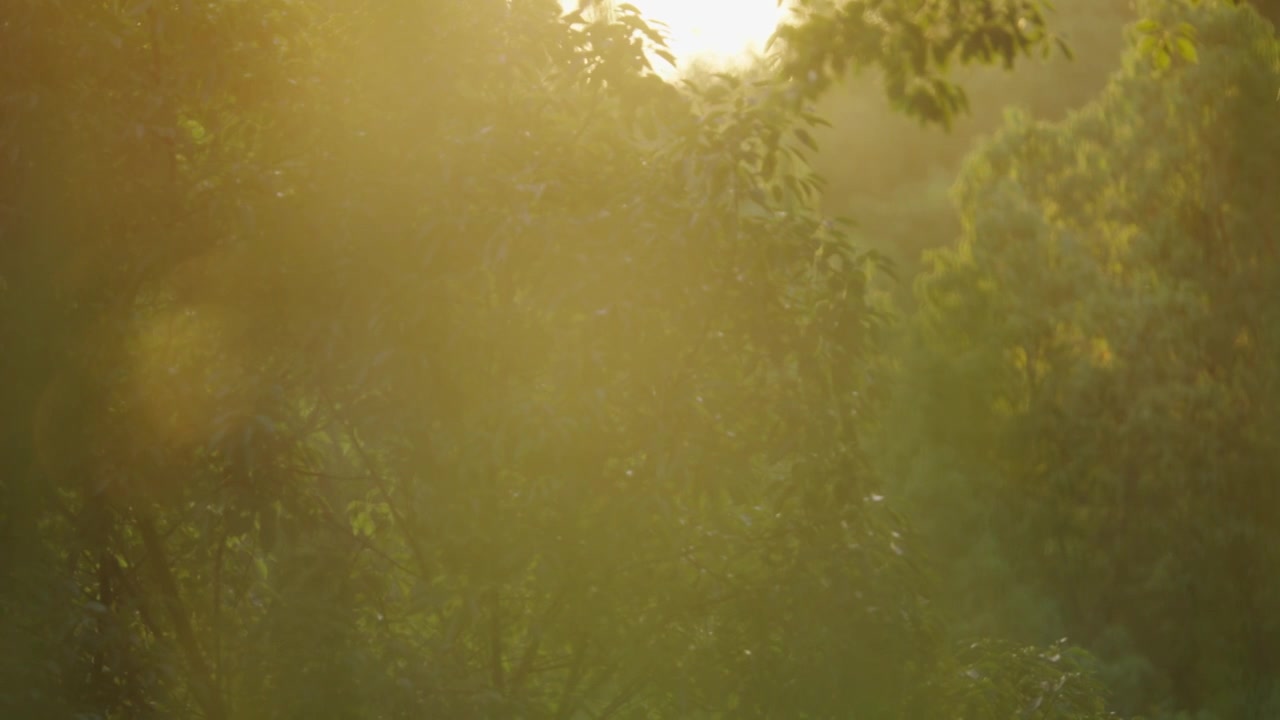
{"points": [[177, 352], [716, 31]]}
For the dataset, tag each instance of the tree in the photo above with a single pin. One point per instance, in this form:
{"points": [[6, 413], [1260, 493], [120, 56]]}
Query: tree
{"points": [[894, 174], [1093, 370], [439, 359]]}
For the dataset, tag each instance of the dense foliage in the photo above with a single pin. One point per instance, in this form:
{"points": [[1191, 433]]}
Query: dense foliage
{"points": [[1086, 419], [893, 174], [437, 359]]}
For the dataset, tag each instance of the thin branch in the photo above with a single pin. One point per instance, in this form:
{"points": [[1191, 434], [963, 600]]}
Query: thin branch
{"points": [[216, 620], [525, 667], [496, 673], [565, 706], [327, 513], [207, 691], [402, 525], [626, 695]]}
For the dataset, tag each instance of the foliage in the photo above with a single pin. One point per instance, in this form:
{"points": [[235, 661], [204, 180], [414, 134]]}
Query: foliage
{"points": [[437, 359], [914, 44], [1091, 383], [893, 175]]}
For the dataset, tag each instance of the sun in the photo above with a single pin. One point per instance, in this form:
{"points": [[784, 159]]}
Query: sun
{"points": [[719, 32], [714, 30]]}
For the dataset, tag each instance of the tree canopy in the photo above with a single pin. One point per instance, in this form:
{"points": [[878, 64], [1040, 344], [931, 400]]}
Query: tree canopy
{"points": [[439, 359], [1091, 385]]}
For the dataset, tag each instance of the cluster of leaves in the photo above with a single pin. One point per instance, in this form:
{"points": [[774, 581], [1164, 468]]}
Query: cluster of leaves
{"points": [[1087, 416], [914, 44], [893, 174]]}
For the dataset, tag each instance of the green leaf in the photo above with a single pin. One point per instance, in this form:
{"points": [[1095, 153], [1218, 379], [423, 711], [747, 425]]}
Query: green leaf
{"points": [[362, 524], [1187, 49], [804, 137], [1147, 26], [770, 164], [1162, 58]]}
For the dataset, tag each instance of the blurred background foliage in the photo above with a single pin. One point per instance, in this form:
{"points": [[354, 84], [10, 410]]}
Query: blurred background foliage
{"points": [[442, 359], [1085, 416], [893, 174]]}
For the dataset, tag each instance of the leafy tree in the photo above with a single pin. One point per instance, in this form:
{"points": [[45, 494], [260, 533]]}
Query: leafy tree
{"points": [[1086, 425], [914, 44], [893, 174]]}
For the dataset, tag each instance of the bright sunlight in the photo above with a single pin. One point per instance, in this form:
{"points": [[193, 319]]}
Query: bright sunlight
{"points": [[715, 31]]}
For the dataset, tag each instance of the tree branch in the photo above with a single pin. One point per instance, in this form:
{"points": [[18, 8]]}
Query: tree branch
{"points": [[207, 691]]}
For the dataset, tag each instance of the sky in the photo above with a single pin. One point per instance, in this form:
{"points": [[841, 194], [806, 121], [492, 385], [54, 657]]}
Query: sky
{"points": [[717, 31]]}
